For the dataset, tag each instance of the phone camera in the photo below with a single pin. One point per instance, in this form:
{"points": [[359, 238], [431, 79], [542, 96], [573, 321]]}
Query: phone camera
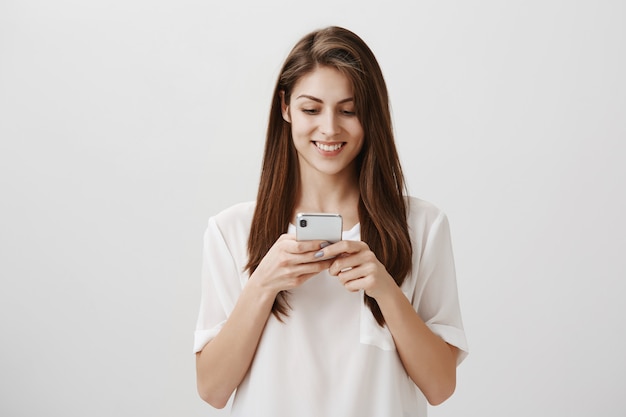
{"points": [[302, 223]]}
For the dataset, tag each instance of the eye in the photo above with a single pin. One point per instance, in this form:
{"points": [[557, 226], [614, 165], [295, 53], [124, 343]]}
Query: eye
{"points": [[310, 111], [348, 113]]}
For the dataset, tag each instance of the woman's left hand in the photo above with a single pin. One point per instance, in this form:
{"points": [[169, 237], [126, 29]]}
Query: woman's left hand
{"points": [[358, 268]]}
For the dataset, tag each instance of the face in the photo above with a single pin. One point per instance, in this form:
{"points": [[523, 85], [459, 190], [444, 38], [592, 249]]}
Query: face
{"points": [[326, 132]]}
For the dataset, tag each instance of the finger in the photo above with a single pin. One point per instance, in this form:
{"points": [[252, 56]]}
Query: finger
{"points": [[313, 268], [349, 274], [344, 246], [354, 285], [345, 262], [340, 264], [306, 272], [307, 247], [311, 257]]}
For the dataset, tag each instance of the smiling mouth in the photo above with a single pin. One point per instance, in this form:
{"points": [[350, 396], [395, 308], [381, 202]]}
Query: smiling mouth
{"points": [[329, 147]]}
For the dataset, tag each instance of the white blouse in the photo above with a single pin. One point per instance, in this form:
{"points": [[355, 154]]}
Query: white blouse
{"points": [[330, 357]]}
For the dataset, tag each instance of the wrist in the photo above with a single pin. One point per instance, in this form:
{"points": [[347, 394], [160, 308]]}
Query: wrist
{"points": [[260, 291], [391, 296]]}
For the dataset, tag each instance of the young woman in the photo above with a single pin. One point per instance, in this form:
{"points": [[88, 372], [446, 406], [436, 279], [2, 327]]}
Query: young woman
{"points": [[368, 326]]}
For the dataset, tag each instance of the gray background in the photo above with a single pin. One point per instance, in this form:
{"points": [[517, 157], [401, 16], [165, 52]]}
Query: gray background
{"points": [[125, 124]]}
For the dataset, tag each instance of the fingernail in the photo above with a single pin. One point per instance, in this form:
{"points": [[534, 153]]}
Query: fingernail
{"points": [[324, 244], [319, 254]]}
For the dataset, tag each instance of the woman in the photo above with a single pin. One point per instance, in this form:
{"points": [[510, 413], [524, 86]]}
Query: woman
{"points": [[368, 326]]}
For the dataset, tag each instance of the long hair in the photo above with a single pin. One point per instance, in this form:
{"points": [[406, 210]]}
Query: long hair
{"points": [[382, 206]]}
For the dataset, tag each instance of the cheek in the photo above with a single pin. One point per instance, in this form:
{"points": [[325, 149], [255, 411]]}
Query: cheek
{"points": [[300, 127], [358, 134], [356, 129]]}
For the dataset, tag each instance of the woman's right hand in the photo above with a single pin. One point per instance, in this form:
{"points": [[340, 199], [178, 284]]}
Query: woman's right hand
{"points": [[289, 263]]}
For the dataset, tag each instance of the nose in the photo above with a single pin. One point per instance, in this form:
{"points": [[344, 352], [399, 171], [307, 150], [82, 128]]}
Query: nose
{"points": [[329, 125]]}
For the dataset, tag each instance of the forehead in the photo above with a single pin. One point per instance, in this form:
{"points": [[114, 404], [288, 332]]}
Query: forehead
{"points": [[326, 83]]}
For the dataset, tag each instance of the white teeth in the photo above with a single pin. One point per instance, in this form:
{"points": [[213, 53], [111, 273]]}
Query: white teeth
{"points": [[328, 148]]}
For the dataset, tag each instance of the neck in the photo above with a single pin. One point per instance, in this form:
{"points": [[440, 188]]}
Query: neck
{"points": [[319, 193]]}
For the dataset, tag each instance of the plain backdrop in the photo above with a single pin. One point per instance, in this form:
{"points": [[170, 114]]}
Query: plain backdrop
{"points": [[125, 124]]}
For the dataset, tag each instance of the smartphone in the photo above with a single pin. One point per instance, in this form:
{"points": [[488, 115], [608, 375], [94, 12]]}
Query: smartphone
{"points": [[319, 226]]}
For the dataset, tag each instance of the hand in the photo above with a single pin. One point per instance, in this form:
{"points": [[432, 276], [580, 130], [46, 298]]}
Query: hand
{"points": [[289, 263], [358, 268]]}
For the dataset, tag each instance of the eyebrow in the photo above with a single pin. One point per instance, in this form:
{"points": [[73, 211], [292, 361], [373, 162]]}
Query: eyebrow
{"points": [[319, 100]]}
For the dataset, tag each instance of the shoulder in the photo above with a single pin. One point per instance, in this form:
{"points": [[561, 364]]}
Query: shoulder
{"points": [[237, 212], [234, 221], [426, 223], [422, 212]]}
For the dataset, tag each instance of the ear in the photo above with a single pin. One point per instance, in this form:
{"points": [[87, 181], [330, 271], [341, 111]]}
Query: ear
{"points": [[284, 108]]}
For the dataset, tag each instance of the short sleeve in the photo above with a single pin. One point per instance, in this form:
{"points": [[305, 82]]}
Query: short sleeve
{"points": [[437, 301], [220, 286]]}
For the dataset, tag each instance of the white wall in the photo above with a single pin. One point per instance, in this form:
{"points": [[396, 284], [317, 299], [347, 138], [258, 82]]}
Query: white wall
{"points": [[125, 124]]}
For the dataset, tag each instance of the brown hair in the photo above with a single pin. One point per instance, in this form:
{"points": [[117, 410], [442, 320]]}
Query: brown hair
{"points": [[382, 205]]}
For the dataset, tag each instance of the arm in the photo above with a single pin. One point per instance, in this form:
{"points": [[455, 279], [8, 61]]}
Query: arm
{"points": [[429, 361], [224, 361]]}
